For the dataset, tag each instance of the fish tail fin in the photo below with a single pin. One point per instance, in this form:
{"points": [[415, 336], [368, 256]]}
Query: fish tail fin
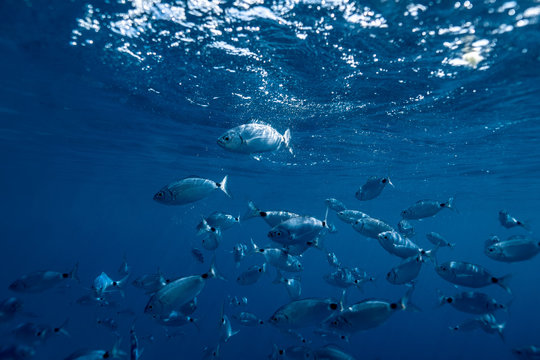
{"points": [[287, 140], [431, 254], [252, 212], [212, 272], [74, 273], [450, 204], [500, 331], [503, 282], [254, 247], [279, 278], [390, 182], [202, 227], [406, 303], [223, 186]]}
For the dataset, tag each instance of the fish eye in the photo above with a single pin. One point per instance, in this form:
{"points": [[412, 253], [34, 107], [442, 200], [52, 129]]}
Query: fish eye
{"points": [[278, 233], [490, 249], [443, 204], [226, 138], [280, 352], [213, 229], [383, 181], [159, 194], [333, 306], [449, 300]]}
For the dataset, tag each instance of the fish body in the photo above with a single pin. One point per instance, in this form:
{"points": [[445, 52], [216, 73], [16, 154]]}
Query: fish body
{"points": [[211, 237], [134, 351], [516, 248], [372, 188], [406, 271], [293, 285], [271, 217], [188, 190], [304, 313], [370, 227], [335, 204], [331, 352], [438, 240], [426, 208], [40, 281], [33, 334], [251, 275], [279, 258], [197, 255], [93, 300], [247, 319], [175, 319], [299, 229], [351, 216], [345, 278], [177, 293], [399, 245], [333, 260], [239, 253], [472, 302], [108, 323], [9, 308], [104, 284], [508, 221], [254, 138], [486, 322], [470, 275], [527, 352], [150, 282], [225, 329], [237, 301], [219, 220]]}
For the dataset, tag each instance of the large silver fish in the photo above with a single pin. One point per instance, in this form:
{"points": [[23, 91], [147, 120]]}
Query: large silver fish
{"points": [[426, 208], [43, 280], [304, 313], [371, 227], [516, 248], [470, 275], [254, 138], [402, 246], [472, 302], [188, 190]]}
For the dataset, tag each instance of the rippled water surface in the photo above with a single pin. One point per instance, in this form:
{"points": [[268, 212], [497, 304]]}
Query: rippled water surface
{"points": [[104, 102]]}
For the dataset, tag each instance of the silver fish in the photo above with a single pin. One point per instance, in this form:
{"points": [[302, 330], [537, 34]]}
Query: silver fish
{"points": [[188, 190], [92, 300], [239, 253], [251, 275], [405, 228], [248, 319], [123, 270], [108, 323], [211, 236], [179, 292], [438, 240], [271, 217], [470, 275], [299, 229], [527, 352], [219, 220], [237, 301], [37, 334], [225, 329], [508, 221], [372, 188], [426, 208], [104, 284], [516, 248], [351, 216], [472, 302], [406, 271], [367, 314], [114, 353], [335, 204], [333, 260], [254, 138], [304, 313], [345, 278], [293, 285], [401, 246], [150, 282], [40, 281], [278, 258], [486, 322], [332, 352], [175, 319], [370, 227]]}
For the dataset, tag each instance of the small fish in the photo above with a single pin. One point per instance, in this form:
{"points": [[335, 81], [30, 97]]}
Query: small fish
{"points": [[472, 302], [335, 204], [272, 218], [251, 275], [527, 352], [150, 282], [406, 271], [372, 188], [211, 352], [438, 240], [426, 208], [17, 352], [248, 319], [486, 322], [515, 248], [134, 351], [405, 228], [123, 270], [219, 220], [114, 353], [331, 335], [92, 300], [198, 255], [254, 138], [37, 334], [304, 313], [40, 281], [104, 284], [299, 353], [470, 275], [278, 258], [211, 236], [175, 319], [367, 314], [179, 292], [333, 260], [237, 301], [188, 190], [108, 323], [293, 285], [370, 227], [239, 253], [403, 247], [9, 308], [508, 221], [345, 278], [351, 216]]}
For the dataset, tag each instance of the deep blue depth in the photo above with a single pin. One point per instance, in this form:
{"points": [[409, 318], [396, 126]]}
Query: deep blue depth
{"points": [[104, 102]]}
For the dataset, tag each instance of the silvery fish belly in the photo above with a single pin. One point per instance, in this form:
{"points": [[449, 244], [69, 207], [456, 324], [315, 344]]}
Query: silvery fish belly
{"points": [[251, 275], [425, 208], [508, 221], [470, 275], [472, 302], [351, 216], [297, 230], [517, 248], [304, 313], [253, 138], [370, 227], [405, 272], [188, 190], [398, 245]]}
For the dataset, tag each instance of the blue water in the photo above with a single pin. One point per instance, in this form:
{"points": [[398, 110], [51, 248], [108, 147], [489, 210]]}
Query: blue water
{"points": [[104, 102]]}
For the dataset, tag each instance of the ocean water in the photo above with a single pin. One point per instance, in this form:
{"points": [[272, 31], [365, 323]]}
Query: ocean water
{"points": [[102, 103]]}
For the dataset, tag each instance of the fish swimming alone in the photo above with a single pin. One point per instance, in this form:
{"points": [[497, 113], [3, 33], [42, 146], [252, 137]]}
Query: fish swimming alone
{"points": [[254, 138], [372, 188], [188, 190]]}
